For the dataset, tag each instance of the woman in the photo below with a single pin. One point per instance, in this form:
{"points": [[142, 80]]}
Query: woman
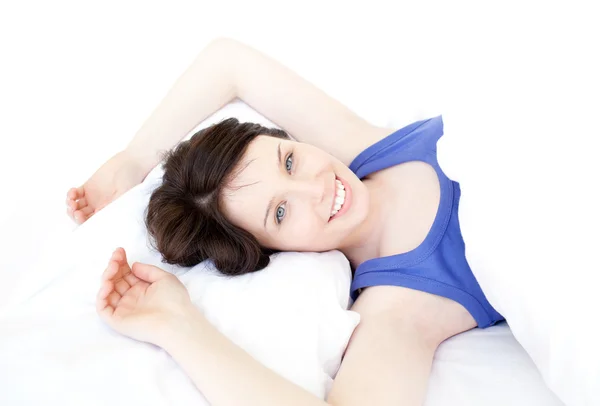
{"points": [[376, 194]]}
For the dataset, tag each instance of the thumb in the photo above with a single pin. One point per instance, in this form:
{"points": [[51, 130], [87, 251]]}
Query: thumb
{"points": [[148, 273]]}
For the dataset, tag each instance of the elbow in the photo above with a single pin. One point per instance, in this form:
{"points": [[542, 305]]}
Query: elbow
{"points": [[222, 54], [223, 43]]}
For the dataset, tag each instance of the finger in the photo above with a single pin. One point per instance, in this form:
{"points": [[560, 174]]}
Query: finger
{"points": [[103, 308], [105, 312], [131, 279], [82, 215], [128, 276], [122, 286], [111, 270], [105, 289], [124, 273], [72, 193], [76, 205], [81, 203], [148, 273], [86, 211], [102, 302], [122, 253], [120, 256], [101, 297], [113, 274], [76, 193], [113, 298]]}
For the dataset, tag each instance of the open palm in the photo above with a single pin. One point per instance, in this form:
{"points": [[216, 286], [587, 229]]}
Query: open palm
{"points": [[139, 302], [115, 177]]}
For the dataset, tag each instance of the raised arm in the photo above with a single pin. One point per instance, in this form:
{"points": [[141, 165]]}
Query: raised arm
{"points": [[227, 69], [206, 86], [224, 70]]}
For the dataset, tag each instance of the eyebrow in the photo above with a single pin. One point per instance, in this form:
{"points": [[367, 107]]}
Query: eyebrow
{"points": [[272, 201]]}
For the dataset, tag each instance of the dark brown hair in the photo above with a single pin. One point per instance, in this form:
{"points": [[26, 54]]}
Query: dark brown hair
{"points": [[184, 216]]}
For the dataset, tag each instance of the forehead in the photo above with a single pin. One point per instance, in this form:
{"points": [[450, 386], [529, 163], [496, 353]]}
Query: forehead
{"points": [[251, 188], [259, 161]]}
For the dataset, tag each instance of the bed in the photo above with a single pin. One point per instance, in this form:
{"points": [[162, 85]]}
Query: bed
{"points": [[54, 350]]}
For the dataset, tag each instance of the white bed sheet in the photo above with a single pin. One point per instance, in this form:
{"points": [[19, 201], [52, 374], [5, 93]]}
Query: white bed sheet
{"points": [[486, 367], [59, 363]]}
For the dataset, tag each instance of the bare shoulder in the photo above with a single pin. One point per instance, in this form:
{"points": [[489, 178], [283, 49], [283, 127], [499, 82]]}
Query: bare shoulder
{"points": [[306, 112]]}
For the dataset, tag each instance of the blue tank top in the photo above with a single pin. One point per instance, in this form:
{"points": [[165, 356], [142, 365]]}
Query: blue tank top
{"points": [[438, 265]]}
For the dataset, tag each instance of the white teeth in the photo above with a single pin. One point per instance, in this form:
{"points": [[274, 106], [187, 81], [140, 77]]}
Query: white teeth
{"points": [[340, 197]]}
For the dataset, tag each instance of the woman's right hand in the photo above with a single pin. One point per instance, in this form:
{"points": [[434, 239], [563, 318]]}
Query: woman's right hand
{"points": [[115, 177], [143, 301]]}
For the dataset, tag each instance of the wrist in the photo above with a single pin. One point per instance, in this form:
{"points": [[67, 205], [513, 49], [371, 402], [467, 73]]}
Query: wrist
{"points": [[180, 328], [142, 161]]}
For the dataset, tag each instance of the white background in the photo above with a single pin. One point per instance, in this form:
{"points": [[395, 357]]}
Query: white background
{"points": [[77, 79]]}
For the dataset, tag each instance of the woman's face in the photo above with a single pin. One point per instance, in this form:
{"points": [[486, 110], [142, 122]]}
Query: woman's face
{"points": [[284, 193]]}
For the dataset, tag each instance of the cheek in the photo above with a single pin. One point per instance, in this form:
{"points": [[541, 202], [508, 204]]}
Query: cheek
{"points": [[303, 234], [307, 228]]}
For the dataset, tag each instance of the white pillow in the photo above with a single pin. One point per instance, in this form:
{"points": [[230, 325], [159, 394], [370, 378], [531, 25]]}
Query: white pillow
{"points": [[529, 217], [291, 316]]}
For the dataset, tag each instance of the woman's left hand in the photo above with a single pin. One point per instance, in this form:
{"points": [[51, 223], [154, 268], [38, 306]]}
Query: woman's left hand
{"points": [[142, 302]]}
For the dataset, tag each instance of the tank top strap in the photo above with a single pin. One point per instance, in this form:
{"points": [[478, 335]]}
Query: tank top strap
{"points": [[414, 142]]}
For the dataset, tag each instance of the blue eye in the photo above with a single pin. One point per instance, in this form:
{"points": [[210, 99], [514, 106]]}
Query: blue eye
{"points": [[280, 213], [289, 162]]}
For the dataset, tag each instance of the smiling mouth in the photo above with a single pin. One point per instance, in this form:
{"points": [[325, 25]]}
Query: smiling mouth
{"points": [[339, 198]]}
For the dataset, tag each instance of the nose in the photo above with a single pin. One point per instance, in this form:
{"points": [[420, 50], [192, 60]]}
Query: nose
{"points": [[313, 189]]}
